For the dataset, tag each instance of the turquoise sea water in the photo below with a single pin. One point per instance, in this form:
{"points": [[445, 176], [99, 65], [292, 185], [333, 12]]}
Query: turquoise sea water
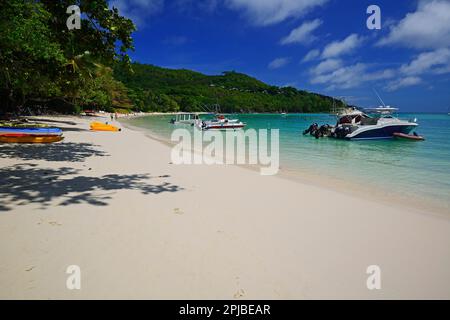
{"points": [[413, 170]]}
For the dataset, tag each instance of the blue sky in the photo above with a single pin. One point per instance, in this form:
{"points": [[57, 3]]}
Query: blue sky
{"points": [[318, 45]]}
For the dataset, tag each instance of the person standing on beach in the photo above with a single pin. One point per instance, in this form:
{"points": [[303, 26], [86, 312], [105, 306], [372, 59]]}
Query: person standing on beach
{"points": [[111, 116]]}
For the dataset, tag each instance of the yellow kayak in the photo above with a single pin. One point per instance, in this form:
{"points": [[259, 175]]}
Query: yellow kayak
{"points": [[29, 139], [99, 126]]}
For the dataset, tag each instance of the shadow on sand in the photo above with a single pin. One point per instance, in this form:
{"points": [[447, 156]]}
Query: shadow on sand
{"points": [[67, 129], [24, 184], [65, 151], [53, 121]]}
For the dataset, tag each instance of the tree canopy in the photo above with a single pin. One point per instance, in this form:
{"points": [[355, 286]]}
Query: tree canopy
{"points": [[41, 58]]}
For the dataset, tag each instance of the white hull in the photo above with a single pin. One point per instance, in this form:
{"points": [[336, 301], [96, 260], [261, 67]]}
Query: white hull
{"points": [[381, 131], [221, 125]]}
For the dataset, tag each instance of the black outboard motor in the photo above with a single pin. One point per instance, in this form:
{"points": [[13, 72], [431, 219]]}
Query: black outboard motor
{"points": [[341, 132], [305, 132], [318, 134], [312, 129], [325, 130]]}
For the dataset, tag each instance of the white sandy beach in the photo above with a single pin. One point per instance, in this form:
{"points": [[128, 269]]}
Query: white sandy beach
{"points": [[140, 227]]}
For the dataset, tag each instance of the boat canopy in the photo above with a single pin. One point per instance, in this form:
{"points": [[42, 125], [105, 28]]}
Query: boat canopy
{"points": [[382, 110], [186, 116]]}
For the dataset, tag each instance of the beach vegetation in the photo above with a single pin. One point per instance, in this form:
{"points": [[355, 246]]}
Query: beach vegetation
{"points": [[41, 59]]}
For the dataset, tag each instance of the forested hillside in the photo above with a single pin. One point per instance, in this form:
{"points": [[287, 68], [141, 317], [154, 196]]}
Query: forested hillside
{"points": [[152, 88]]}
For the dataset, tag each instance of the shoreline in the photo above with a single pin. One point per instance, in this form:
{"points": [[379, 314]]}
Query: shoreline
{"points": [[349, 187], [139, 227]]}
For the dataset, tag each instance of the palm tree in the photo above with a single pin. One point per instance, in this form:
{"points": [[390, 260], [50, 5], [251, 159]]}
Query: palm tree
{"points": [[83, 64]]}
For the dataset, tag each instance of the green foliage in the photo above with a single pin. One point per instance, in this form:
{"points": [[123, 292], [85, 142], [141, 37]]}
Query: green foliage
{"points": [[102, 91], [40, 58], [234, 92], [102, 30], [29, 56]]}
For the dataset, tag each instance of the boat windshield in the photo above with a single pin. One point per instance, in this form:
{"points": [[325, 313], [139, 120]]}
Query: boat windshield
{"points": [[353, 118], [369, 121]]}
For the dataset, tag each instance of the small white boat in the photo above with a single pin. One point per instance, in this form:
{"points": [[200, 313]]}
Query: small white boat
{"points": [[220, 123]]}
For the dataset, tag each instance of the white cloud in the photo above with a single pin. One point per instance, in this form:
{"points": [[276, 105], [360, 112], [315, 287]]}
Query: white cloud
{"points": [[302, 34], [402, 83], [330, 72], [437, 62], [427, 27], [278, 63], [380, 75], [328, 65], [311, 55], [268, 12], [432, 62], [137, 10], [338, 48], [346, 77]]}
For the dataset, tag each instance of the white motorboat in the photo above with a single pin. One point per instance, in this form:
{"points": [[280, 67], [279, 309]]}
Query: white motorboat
{"points": [[220, 123], [354, 124]]}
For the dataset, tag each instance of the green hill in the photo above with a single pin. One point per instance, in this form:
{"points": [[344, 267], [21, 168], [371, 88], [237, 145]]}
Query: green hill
{"points": [[153, 88]]}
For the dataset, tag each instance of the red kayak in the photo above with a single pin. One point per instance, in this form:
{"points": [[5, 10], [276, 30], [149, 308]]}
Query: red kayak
{"points": [[15, 135], [411, 137]]}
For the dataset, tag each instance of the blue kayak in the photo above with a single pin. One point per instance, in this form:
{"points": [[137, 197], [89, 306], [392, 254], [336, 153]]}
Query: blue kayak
{"points": [[31, 131]]}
